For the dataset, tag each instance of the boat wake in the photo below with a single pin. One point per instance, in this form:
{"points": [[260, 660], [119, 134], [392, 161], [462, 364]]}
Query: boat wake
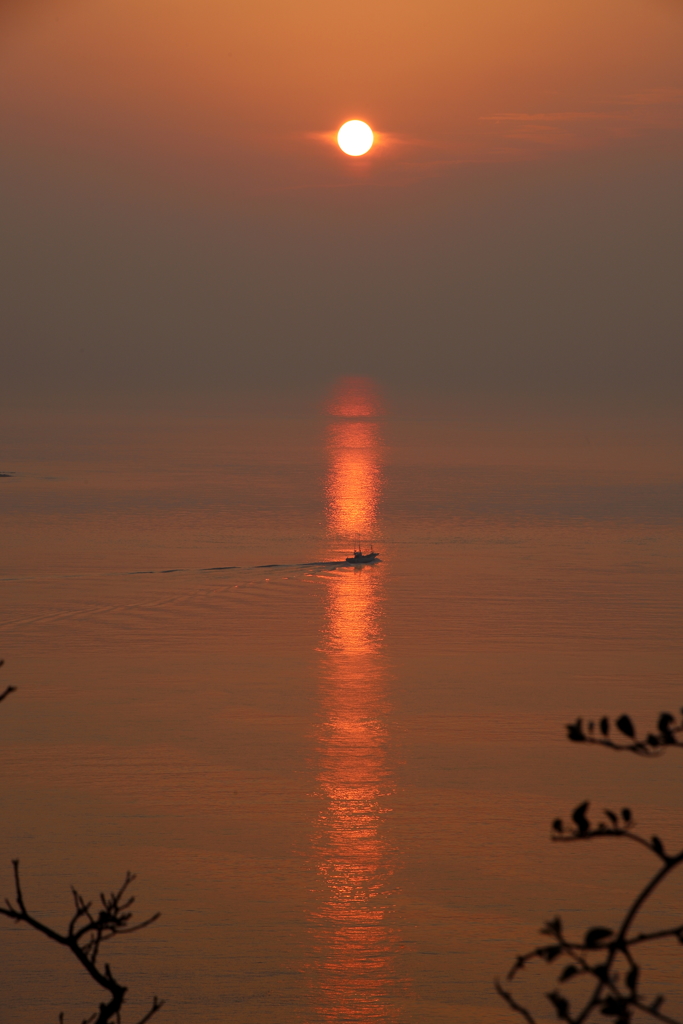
{"points": [[340, 564]]}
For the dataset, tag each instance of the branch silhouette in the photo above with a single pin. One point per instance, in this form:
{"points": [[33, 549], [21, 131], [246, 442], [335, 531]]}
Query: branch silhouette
{"points": [[88, 928], [604, 957], [668, 733], [8, 690]]}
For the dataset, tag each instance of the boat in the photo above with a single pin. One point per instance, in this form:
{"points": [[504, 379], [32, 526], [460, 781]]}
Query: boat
{"points": [[358, 558]]}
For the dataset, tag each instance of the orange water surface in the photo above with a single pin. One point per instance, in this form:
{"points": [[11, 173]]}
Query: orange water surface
{"points": [[334, 782]]}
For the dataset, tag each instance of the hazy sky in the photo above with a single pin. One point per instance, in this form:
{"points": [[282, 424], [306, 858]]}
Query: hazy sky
{"points": [[178, 221]]}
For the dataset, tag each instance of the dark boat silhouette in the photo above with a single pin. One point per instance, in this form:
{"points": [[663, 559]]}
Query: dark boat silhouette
{"points": [[358, 558]]}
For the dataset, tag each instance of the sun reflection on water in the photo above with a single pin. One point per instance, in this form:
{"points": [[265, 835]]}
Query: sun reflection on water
{"points": [[354, 480], [355, 939]]}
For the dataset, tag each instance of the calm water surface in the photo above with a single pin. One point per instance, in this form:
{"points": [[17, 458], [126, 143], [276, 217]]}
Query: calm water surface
{"points": [[334, 782]]}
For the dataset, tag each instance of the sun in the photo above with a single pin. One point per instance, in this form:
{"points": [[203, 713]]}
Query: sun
{"points": [[355, 138]]}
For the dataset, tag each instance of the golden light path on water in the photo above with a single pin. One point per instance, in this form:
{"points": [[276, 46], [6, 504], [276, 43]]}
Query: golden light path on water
{"points": [[354, 480], [355, 942]]}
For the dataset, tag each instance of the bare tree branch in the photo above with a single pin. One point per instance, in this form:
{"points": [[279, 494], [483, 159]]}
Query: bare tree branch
{"points": [[10, 689], [85, 933], [512, 1004]]}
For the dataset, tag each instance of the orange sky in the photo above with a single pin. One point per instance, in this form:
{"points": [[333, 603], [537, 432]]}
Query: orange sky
{"points": [[442, 81], [179, 217]]}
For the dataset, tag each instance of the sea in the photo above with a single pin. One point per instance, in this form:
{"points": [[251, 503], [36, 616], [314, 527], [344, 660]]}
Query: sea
{"points": [[335, 782]]}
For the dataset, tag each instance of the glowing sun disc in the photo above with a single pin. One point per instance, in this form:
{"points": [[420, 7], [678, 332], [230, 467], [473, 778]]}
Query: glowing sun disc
{"points": [[355, 138]]}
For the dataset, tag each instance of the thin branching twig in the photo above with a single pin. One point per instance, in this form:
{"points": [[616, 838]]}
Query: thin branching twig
{"points": [[668, 733], [604, 956], [87, 929], [8, 690]]}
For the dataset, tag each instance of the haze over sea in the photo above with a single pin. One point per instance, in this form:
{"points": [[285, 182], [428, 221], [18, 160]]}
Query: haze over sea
{"points": [[230, 351], [334, 782]]}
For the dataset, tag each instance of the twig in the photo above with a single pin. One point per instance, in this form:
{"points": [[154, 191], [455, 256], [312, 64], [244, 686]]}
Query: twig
{"points": [[10, 689], [85, 933], [666, 734], [507, 996], [615, 994]]}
